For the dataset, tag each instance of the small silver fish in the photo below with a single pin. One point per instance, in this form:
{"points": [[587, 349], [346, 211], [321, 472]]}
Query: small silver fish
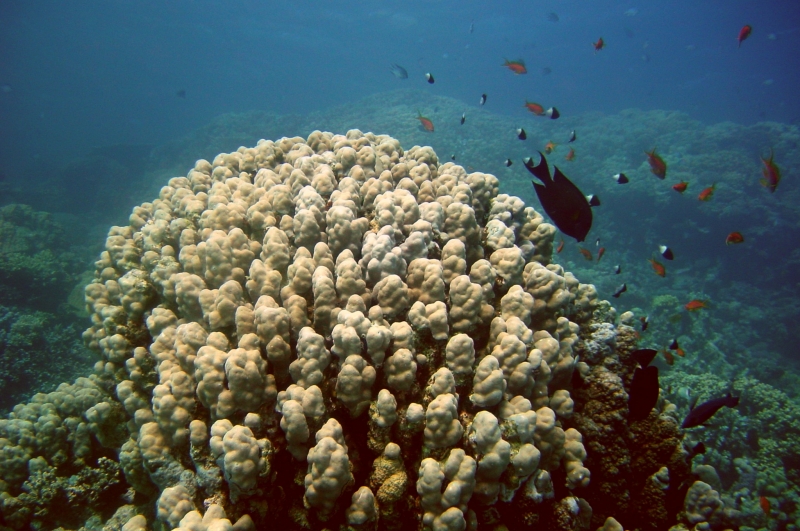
{"points": [[398, 71]]}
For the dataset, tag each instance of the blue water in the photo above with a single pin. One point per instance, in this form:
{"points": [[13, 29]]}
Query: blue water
{"points": [[78, 75]]}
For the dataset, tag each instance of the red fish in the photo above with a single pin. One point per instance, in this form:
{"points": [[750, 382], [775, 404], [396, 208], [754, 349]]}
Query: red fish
{"points": [[681, 186], [657, 164], [534, 107], [599, 45], [771, 172], [745, 32], [518, 66], [670, 359], [734, 237], [658, 267], [549, 147], [426, 123], [765, 505], [600, 252], [695, 305], [707, 193], [560, 247], [571, 155], [586, 253]]}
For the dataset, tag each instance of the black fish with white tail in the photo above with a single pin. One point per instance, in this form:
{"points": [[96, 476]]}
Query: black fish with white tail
{"points": [[572, 136], [552, 113], [666, 252], [621, 178], [463, 118], [429, 77], [698, 415], [483, 99], [593, 200], [561, 199], [521, 134], [508, 162]]}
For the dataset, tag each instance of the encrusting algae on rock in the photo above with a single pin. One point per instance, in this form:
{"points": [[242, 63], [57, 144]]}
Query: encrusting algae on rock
{"points": [[338, 333]]}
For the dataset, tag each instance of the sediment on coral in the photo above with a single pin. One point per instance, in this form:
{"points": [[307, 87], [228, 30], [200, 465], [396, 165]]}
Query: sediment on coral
{"points": [[335, 332]]}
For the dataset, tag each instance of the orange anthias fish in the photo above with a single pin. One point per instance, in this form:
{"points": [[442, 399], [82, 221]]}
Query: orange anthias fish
{"points": [[426, 123], [658, 267], [600, 252], [599, 45], [681, 186], [734, 237], [771, 172], [560, 247], [745, 32], [707, 193], [586, 253], [549, 147], [518, 66], [695, 304], [657, 164], [534, 107], [670, 359], [765, 505], [571, 155]]}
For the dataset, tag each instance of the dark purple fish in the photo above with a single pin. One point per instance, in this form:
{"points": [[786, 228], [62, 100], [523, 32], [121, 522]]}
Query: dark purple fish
{"points": [[644, 356], [700, 414], [561, 199], [644, 393]]}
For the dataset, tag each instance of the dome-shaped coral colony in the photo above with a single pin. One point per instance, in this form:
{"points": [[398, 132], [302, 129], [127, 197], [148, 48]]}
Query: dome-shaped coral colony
{"points": [[335, 332]]}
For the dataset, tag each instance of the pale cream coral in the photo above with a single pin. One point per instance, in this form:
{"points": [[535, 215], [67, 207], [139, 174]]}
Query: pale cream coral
{"points": [[431, 317], [442, 428], [173, 504], [400, 370], [328, 473], [354, 385], [489, 385], [494, 455]]}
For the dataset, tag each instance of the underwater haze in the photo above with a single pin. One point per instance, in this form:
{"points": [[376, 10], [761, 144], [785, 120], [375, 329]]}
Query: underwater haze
{"points": [[681, 117], [78, 75]]}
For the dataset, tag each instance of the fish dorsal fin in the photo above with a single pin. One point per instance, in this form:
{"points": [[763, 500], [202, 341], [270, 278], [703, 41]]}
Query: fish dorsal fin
{"points": [[693, 402], [540, 170]]}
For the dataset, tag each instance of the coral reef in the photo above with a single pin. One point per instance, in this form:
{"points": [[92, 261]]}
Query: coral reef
{"points": [[323, 333]]}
